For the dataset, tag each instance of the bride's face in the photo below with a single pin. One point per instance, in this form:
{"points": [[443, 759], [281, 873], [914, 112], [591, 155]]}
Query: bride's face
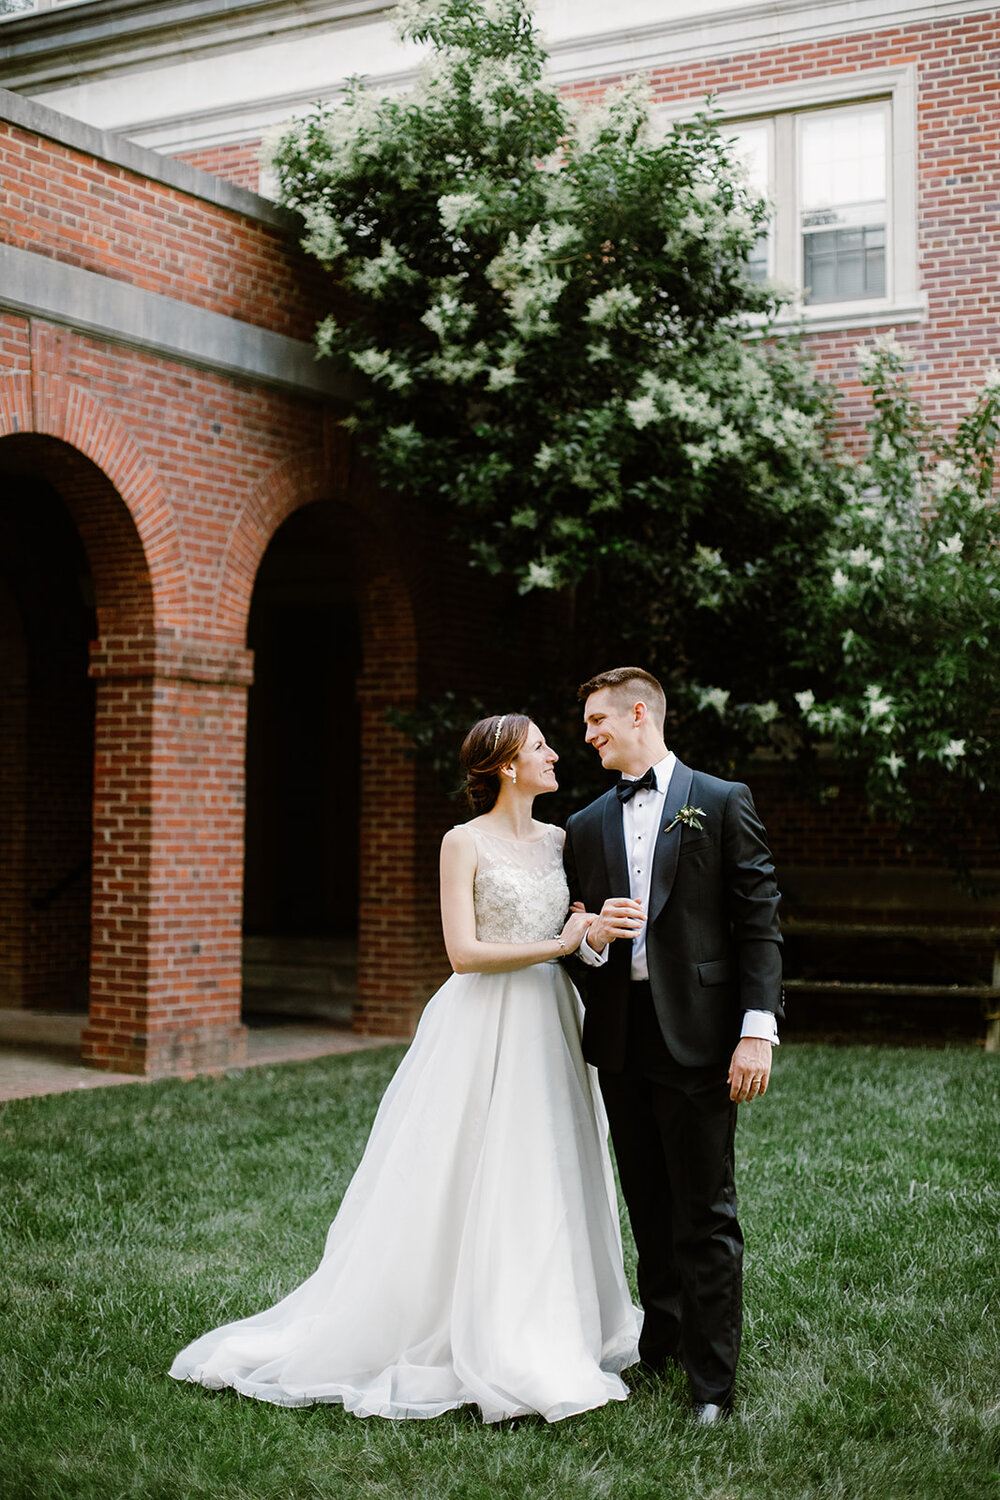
{"points": [[535, 763]]}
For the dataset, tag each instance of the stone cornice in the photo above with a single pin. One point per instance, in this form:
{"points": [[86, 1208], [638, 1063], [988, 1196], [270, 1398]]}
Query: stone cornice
{"points": [[66, 47], [52, 48], [37, 286]]}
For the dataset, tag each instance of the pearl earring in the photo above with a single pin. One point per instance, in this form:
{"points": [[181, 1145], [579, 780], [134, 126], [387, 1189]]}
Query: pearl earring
{"points": [[513, 777]]}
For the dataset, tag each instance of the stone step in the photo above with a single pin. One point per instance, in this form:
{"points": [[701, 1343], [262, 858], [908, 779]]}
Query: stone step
{"points": [[308, 977], [47, 1028]]}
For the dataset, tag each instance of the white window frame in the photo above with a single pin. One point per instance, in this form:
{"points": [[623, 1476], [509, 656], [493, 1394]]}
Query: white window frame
{"points": [[782, 106]]}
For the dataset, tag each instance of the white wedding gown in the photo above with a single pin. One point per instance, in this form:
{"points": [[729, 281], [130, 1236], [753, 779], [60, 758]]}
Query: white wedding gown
{"points": [[476, 1257]]}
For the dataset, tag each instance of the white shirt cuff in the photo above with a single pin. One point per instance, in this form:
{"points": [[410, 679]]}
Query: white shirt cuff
{"points": [[595, 960], [760, 1023]]}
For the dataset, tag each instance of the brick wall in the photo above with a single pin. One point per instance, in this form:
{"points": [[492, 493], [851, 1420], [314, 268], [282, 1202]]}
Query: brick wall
{"points": [[101, 217], [175, 479], [238, 163], [958, 225]]}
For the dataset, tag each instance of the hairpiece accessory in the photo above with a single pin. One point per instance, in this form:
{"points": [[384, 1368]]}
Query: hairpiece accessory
{"points": [[496, 733]]}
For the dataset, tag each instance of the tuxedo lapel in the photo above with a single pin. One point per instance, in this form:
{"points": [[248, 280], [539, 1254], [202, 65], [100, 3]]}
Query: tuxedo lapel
{"points": [[668, 845], [613, 840]]}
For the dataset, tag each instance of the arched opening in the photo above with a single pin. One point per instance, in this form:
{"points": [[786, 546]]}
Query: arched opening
{"points": [[47, 620], [301, 890]]}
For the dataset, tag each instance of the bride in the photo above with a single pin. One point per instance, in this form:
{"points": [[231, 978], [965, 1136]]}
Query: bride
{"points": [[476, 1257]]}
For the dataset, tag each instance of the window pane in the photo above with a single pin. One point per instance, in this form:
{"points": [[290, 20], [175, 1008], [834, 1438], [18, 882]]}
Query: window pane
{"points": [[844, 265], [752, 147], [843, 158], [842, 195]]}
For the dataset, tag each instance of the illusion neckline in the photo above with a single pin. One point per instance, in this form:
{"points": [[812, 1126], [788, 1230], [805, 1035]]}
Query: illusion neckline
{"points": [[500, 838]]}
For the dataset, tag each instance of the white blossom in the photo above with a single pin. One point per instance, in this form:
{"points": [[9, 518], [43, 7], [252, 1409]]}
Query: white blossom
{"points": [[456, 209], [716, 698], [541, 576], [840, 580], [894, 762], [692, 224], [877, 703], [323, 237], [954, 749], [952, 546], [766, 712], [500, 377], [869, 356], [613, 305], [449, 315], [376, 274], [409, 14], [806, 700], [699, 455], [944, 478], [378, 364], [619, 111], [860, 557], [642, 411]]}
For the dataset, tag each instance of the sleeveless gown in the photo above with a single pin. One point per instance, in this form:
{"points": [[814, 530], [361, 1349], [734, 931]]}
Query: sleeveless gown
{"points": [[476, 1256]]}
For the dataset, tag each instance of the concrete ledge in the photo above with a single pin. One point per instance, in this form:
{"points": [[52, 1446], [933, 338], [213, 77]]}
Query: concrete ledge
{"points": [[37, 286]]}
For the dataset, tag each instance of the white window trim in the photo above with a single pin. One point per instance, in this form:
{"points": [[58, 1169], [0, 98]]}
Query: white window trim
{"points": [[906, 303]]}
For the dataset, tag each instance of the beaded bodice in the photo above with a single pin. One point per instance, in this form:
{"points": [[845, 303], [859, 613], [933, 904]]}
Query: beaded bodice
{"points": [[521, 895]]}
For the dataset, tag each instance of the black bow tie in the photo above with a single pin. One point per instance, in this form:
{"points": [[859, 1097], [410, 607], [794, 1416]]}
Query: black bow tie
{"points": [[627, 789]]}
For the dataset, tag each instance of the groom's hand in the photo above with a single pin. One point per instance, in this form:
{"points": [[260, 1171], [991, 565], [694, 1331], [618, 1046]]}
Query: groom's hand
{"points": [[750, 1069], [619, 917]]}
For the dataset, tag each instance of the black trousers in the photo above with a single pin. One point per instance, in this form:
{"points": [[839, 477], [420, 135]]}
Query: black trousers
{"points": [[673, 1130]]}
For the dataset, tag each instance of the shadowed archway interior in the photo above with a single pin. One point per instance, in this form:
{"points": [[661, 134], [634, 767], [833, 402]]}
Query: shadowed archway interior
{"points": [[47, 620], [303, 772]]}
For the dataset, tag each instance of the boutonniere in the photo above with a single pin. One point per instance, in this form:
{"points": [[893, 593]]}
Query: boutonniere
{"points": [[689, 817]]}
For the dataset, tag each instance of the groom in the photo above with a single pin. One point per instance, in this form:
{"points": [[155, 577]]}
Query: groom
{"points": [[682, 990]]}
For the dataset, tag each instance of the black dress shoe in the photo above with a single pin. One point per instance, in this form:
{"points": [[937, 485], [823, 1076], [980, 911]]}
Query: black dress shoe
{"points": [[709, 1413]]}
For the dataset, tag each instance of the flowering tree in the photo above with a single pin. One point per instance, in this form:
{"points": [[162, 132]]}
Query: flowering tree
{"points": [[906, 649], [550, 318]]}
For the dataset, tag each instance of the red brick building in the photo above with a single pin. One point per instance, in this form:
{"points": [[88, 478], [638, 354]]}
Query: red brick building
{"points": [[185, 530], [174, 476]]}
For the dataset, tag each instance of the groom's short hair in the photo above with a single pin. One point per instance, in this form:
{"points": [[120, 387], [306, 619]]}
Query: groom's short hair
{"points": [[632, 683]]}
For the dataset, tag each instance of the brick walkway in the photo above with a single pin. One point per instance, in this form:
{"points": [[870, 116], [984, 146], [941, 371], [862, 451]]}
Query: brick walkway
{"points": [[40, 1052]]}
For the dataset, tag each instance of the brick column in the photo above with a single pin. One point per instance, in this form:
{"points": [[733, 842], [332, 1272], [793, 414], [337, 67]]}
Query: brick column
{"points": [[391, 936], [168, 855]]}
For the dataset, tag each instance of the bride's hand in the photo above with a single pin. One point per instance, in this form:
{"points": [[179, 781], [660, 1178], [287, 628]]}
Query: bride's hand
{"points": [[576, 926]]}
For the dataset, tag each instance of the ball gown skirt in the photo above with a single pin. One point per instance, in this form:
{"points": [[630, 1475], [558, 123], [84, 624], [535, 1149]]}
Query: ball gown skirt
{"points": [[476, 1257]]}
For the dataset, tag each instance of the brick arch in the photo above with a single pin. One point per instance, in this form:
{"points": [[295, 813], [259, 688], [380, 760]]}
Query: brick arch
{"points": [[296, 482], [115, 483], [395, 913]]}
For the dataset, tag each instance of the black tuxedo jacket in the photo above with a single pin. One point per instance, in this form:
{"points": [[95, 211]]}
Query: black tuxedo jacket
{"points": [[712, 939]]}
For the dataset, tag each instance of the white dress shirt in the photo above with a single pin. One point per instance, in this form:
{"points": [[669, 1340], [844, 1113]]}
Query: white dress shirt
{"points": [[641, 817]]}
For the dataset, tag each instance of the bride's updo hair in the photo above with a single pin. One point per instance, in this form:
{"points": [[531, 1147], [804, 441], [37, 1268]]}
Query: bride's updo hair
{"points": [[490, 744]]}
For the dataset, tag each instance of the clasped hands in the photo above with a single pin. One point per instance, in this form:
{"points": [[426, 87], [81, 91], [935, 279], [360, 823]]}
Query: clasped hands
{"points": [[602, 929], [622, 917]]}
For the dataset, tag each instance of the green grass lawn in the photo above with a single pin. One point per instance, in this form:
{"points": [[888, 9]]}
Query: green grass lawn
{"points": [[133, 1218]]}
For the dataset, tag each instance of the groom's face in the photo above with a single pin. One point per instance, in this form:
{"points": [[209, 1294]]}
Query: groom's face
{"points": [[611, 727]]}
